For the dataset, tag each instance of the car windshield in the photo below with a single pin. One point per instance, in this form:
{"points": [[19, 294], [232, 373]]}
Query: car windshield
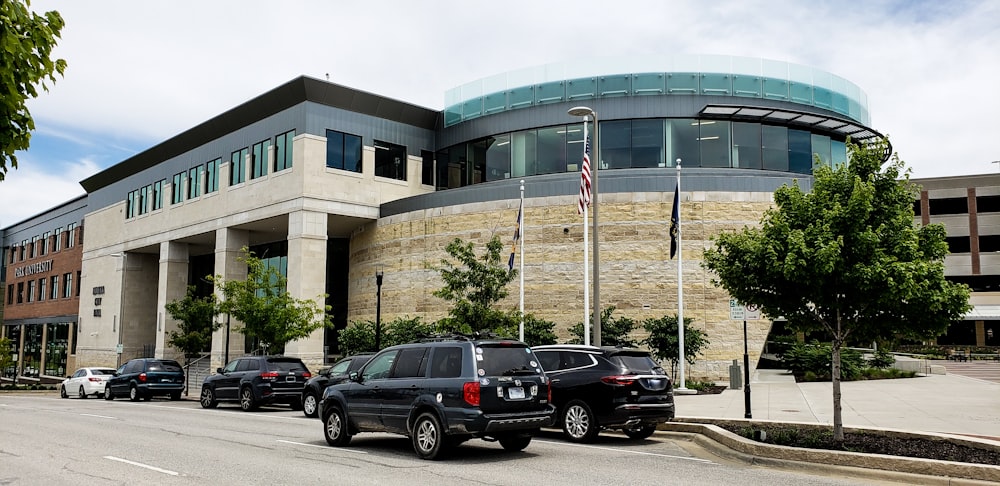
{"points": [[507, 359], [163, 366], [638, 364], [287, 365]]}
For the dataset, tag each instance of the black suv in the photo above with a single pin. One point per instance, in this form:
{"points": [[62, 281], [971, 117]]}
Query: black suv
{"points": [[142, 378], [606, 387], [257, 380], [335, 374], [441, 392]]}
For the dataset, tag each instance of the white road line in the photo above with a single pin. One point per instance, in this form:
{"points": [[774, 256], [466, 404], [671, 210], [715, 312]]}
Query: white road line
{"points": [[695, 459], [147, 466], [98, 416], [322, 447]]}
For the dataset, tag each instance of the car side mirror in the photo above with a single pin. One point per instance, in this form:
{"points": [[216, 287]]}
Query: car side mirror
{"points": [[355, 376], [218, 370]]}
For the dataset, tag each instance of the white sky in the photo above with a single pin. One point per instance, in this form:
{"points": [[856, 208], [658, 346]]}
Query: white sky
{"points": [[141, 72]]}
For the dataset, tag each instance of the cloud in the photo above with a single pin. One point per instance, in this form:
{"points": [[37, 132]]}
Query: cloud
{"points": [[33, 187]]}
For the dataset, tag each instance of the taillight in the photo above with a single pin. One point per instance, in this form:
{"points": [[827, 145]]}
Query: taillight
{"points": [[550, 392], [307, 375], [618, 380], [93, 379], [470, 393], [142, 377], [269, 375]]}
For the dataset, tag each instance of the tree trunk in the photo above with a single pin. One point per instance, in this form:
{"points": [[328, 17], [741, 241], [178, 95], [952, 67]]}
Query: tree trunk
{"points": [[838, 420]]}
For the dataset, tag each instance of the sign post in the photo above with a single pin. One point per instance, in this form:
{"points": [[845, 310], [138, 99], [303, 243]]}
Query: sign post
{"points": [[739, 311]]}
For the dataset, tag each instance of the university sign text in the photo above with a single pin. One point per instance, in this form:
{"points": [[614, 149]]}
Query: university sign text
{"points": [[33, 269]]}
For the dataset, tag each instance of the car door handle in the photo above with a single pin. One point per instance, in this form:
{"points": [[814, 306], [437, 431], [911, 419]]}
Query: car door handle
{"points": [[554, 380]]}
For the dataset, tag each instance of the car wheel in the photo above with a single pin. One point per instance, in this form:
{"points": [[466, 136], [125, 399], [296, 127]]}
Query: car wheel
{"points": [[578, 422], [62, 392], [133, 393], [175, 396], [335, 428], [515, 442], [107, 392], [428, 437], [208, 398], [309, 404], [247, 402], [82, 393], [639, 432]]}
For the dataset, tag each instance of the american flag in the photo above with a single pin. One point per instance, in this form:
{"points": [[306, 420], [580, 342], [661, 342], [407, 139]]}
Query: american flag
{"points": [[585, 179]]}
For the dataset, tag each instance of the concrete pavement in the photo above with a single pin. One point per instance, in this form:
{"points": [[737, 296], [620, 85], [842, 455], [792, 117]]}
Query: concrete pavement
{"points": [[948, 403]]}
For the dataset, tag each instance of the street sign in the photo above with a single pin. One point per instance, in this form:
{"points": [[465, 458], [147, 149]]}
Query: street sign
{"points": [[740, 312], [752, 312], [119, 349]]}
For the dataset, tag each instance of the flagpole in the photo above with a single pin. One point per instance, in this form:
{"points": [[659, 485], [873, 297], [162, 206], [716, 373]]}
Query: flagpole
{"points": [[520, 232], [586, 280], [680, 288]]}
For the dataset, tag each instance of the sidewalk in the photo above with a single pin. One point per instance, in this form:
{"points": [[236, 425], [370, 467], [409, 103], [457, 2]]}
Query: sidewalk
{"points": [[950, 404]]}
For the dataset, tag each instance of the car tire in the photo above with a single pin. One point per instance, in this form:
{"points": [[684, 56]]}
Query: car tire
{"points": [[335, 428], [579, 423], [62, 392], [108, 395], [515, 442], [175, 396], [207, 398], [82, 393], [247, 401], [309, 404], [639, 432], [428, 437], [133, 393]]}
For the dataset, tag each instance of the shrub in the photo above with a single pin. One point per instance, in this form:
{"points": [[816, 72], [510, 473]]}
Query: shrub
{"points": [[816, 360], [882, 360]]}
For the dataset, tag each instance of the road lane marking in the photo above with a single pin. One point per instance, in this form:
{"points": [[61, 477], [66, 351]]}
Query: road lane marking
{"points": [[147, 466], [695, 459], [98, 416], [322, 447]]}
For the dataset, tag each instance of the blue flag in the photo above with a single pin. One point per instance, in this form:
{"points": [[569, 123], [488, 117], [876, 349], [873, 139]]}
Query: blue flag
{"points": [[517, 236], [675, 221]]}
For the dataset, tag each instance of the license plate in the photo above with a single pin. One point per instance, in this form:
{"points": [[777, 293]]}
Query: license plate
{"points": [[290, 379], [515, 392]]}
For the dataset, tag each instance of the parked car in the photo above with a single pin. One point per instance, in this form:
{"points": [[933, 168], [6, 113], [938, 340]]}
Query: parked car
{"points": [[86, 382], [441, 392], [606, 388], [337, 373], [144, 378], [257, 380]]}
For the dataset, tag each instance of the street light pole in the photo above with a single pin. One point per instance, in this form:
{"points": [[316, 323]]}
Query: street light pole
{"points": [[585, 111], [379, 271]]}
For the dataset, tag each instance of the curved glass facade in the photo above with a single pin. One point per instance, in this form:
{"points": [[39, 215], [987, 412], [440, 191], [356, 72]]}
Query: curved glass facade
{"points": [[704, 75], [636, 143]]}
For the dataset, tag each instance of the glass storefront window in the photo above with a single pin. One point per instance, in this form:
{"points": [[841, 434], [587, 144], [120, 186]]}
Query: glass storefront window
{"points": [[647, 143], [551, 150], [774, 147], [821, 147], [746, 145], [57, 342], [799, 152], [32, 358], [714, 143], [616, 144], [683, 139], [523, 159], [838, 153], [498, 158]]}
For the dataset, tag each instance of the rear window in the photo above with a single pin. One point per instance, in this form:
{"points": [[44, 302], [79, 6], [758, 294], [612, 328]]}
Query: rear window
{"points": [[103, 372], [637, 364], [500, 360], [163, 366], [287, 365]]}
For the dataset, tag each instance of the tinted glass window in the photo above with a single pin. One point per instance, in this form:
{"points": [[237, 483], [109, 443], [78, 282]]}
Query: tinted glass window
{"points": [[380, 366], [133, 367], [410, 363], [447, 362], [163, 366], [499, 360], [573, 359], [286, 365], [637, 363], [340, 368], [231, 366], [548, 359], [103, 372]]}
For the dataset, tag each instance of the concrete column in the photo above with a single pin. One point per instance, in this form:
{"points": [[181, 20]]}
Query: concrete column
{"points": [[229, 243], [980, 334], [171, 285], [307, 276]]}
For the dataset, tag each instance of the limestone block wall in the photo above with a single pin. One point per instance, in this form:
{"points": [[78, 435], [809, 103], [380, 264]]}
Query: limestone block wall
{"points": [[637, 275]]}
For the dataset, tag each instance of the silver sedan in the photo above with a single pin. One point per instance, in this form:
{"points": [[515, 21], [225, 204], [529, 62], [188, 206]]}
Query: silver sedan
{"points": [[85, 382]]}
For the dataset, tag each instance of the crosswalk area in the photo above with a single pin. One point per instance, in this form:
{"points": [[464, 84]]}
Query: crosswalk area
{"points": [[988, 370]]}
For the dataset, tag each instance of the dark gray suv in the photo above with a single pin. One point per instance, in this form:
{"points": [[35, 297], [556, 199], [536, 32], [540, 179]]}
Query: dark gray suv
{"points": [[441, 392], [257, 380]]}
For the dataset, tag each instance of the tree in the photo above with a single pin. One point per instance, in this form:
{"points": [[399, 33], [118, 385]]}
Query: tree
{"points": [[197, 322], [844, 258], [662, 340], [27, 40], [474, 285], [266, 309], [615, 332], [6, 357]]}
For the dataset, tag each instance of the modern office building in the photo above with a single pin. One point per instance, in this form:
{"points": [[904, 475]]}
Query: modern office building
{"points": [[328, 183]]}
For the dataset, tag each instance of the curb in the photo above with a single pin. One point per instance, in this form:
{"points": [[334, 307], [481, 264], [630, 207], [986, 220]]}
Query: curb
{"points": [[870, 466]]}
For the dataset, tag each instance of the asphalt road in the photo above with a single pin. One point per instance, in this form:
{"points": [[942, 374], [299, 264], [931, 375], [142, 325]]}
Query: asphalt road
{"points": [[45, 440]]}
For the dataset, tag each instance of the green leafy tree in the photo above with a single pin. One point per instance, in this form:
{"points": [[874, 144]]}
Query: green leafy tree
{"points": [[615, 331], [359, 336], [197, 322], [474, 285], [663, 342], [267, 311], [27, 40], [845, 258], [6, 355], [536, 331]]}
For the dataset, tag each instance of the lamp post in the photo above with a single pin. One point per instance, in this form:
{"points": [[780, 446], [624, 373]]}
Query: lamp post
{"points": [[584, 112], [379, 271]]}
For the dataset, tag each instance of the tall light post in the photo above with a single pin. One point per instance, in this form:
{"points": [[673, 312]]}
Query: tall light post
{"points": [[584, 112], [379, 271]]}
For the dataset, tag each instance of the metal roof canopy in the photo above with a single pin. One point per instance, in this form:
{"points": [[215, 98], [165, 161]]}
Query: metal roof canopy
{"points": [[822, 123], [983, 313]]}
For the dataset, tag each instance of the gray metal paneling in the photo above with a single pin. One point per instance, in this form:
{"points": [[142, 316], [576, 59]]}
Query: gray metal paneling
{"points": [[58, 217]]}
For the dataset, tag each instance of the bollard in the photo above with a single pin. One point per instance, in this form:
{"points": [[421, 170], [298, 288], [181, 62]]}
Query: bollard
{"points": [[735, 376]]}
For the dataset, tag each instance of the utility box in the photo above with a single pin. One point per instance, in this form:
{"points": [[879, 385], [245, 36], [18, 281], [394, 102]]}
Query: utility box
{"points": [[735, 376]]}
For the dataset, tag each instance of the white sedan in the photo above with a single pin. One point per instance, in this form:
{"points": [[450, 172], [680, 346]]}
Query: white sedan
{"points": [[85, 382]]}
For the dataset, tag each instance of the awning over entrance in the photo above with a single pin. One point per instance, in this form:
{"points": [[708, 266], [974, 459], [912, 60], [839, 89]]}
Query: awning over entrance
{"points": [[984, 313]]}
